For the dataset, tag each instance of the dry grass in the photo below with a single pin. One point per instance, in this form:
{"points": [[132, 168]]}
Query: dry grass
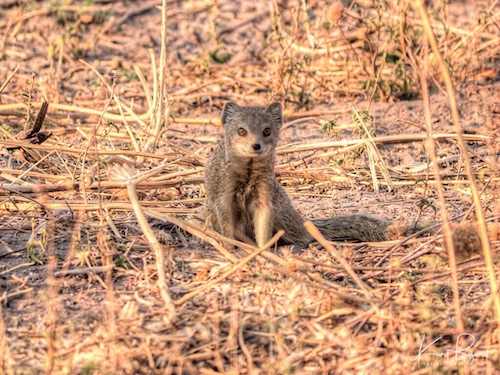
{"points": [[87, 287]]}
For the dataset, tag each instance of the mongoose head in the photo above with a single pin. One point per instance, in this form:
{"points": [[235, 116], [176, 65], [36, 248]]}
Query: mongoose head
{"points": [[251, 131]]}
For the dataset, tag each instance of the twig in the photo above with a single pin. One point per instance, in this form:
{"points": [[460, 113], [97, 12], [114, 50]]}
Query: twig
{"points": [[483, 234], [388, 139], [9, 78], [195, 231], [313, 231], [82, 111], [431, 150], [8, 296], [132, 13], [83, 271], [240, 23], [232, 270], [77, 151], [126, 173], [159, 112]]}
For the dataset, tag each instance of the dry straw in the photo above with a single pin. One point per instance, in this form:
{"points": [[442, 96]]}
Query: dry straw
{"points": [[485, 242]]}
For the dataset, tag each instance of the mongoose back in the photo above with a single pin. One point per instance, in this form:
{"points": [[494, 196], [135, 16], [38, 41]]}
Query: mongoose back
{"points": [[244, 199]]}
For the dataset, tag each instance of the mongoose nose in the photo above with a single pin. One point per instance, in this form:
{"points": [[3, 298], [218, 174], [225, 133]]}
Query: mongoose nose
{"points": [[256, 146]]}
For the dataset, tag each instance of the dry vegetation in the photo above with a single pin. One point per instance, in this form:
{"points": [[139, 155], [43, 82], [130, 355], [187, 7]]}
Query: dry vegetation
{"points": [[85, 286]]}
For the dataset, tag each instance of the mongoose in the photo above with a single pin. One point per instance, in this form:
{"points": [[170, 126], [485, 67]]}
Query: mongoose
{"points": [[244, 199]]}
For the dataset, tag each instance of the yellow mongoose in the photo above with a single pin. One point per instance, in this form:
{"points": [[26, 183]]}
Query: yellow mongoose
{"points": [[244, 199]]}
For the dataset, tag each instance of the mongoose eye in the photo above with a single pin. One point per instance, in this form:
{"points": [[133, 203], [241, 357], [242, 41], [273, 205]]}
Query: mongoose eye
{"points": [[266, 132], [242, 132]]}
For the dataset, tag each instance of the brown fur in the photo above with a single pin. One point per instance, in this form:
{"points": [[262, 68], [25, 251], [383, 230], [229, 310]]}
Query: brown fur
{"points": [[244, 199]]}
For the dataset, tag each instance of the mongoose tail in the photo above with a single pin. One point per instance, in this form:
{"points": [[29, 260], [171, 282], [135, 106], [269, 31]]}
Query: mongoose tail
{"points": [[359, 228]]}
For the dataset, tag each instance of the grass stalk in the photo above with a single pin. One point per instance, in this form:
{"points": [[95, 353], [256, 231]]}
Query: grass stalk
{"points": [[431, 149], [232, 269], [483, 233], [159, 114]]}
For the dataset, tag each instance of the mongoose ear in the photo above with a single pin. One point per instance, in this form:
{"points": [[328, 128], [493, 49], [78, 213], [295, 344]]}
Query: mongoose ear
{"points": [[228, 112], [274, 109]]}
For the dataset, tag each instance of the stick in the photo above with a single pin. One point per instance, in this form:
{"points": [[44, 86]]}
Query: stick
{"points": [[233, 269], [388, 139], [314, 231], [483, 234], [123, 173]]}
